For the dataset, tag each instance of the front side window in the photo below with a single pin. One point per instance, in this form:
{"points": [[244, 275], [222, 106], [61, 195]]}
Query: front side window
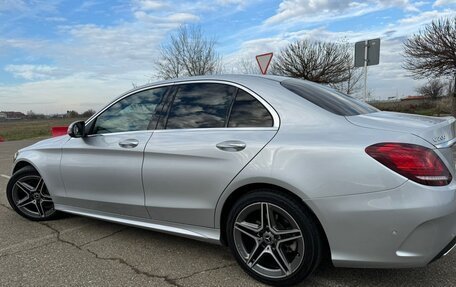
{"points": [[249, 112], [200, 105], [132, 113]]}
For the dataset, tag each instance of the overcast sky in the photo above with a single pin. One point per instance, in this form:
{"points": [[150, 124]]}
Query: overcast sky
{"points": [[57, 55]]}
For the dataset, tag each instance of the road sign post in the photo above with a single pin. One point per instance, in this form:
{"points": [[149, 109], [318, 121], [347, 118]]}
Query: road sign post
{"points": [[367, 53], [263, 61]]}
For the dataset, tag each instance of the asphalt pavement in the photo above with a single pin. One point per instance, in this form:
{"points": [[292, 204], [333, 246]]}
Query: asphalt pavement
{"points": [[79, 251]]}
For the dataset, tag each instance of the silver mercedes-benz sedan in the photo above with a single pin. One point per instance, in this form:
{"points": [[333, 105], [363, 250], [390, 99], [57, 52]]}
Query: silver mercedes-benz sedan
{"points": [[281, 170]]}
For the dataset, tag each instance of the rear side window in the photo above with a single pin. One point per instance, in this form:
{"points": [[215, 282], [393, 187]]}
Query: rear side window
{"points": [[249, 112], [204, 105], [328, 99]]}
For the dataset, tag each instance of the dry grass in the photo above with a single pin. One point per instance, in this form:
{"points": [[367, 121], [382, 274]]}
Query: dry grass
{"points": [[437, 107], [26, 129]]}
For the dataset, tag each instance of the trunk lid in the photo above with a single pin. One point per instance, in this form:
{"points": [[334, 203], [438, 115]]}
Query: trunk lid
{"points": [[439, 131], [432, 129]]}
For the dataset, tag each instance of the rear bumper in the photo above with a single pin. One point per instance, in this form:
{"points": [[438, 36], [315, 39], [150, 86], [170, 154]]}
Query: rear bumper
{"points": [[409, 226]]}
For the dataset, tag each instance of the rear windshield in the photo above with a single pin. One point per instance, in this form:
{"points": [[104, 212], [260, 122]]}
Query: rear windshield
{"points": [[328, 99]]}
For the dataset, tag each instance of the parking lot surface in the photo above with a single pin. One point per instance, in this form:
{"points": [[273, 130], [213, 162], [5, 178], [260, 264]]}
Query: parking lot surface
{"points": [[78, 251]]}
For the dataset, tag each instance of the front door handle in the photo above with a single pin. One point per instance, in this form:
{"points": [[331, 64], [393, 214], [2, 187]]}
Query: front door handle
{"points": [[129, 143], [231, 146]]}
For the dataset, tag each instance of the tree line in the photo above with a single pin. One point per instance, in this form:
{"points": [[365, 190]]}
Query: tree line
{"points": [[429, 54], [69, 114]]}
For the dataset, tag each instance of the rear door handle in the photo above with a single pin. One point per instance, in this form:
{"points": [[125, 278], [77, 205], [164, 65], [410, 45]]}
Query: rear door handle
{"points": [[231, 146], [129, 143]]}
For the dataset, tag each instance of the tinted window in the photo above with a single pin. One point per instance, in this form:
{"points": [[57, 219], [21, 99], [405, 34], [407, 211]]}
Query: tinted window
{"points": [[249, 112], [328, 99], [200, 106], [129, 114]]}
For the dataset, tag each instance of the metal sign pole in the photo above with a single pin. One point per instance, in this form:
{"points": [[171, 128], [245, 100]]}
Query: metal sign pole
{"points": [[366, 45], [367, 53]]}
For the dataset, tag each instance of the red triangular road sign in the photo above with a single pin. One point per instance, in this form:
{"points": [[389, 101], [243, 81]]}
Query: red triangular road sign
{"points": [[263, 61]]}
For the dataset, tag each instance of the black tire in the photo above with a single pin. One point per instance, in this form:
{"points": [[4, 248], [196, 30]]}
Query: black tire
{"points": [[311, 236], [22, 174]]}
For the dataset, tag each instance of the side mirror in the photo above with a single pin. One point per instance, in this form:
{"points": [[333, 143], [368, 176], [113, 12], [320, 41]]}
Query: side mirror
{"points": [[76, 129]]}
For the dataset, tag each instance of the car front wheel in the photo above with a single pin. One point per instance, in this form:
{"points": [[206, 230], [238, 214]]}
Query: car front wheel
{"points": [[28, 195], [274, 238]]}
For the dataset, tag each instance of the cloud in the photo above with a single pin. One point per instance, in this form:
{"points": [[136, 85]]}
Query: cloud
{"points": [[170, 19], [29, 8], [32, 72], [413, 23], [147, 5], [79, 91], [443, 3], [320, 10], [87, 58], [55, 19], [12, 5], [240, 4]]}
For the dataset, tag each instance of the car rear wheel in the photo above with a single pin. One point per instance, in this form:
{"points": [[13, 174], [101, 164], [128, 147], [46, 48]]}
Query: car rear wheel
{"points": [[28, 195], [274, 238]]}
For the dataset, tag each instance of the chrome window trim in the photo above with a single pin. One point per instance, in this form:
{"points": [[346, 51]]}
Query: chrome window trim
{"points": [[224, 129], [271, 110], [218, 129], [121, 133]]}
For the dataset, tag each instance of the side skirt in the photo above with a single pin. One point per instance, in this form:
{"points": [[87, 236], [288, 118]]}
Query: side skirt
{"points": [[210, 235]]}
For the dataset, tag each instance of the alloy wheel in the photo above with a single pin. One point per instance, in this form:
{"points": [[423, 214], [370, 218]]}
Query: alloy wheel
{"points": [[269, 240], [31, 196]]}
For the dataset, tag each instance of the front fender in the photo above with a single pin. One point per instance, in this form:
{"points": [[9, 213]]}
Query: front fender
{"points": [[47, 162]]}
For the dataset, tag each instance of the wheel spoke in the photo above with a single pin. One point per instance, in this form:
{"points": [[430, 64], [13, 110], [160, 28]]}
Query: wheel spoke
{"points": [[248, 229], [265, 250], [265, 216], [40, 187], [255, 254], [288, 235], [23, 202], [39, 208], [24, 187], [280, 260]]}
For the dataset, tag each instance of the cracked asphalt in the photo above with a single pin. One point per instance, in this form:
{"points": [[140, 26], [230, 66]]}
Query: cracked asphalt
{"points": [[78, 251]]}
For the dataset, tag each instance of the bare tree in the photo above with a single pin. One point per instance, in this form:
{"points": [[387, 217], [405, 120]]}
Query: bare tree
{"points": [[248, 66], [352, 84], [188, 53], [320, 62], [433, 89], [432, 52]]}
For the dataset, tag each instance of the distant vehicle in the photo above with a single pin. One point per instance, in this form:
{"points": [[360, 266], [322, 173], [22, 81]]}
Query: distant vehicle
{"points": [[281, 170]]}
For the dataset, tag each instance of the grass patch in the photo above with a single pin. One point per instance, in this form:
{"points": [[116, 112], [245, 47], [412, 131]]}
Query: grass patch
{"points": [[438, 107], [27, 129]]}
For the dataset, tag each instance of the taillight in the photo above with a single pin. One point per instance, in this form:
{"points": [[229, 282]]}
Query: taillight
{"points": [[415, 162]]}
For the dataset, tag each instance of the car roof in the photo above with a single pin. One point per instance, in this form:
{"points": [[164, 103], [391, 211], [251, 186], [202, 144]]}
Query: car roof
{"points": [[221, 77]]}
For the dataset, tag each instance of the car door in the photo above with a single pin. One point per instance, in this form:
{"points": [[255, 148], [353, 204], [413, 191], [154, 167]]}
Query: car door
{"points": [[102, 171], [211, 131]]}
